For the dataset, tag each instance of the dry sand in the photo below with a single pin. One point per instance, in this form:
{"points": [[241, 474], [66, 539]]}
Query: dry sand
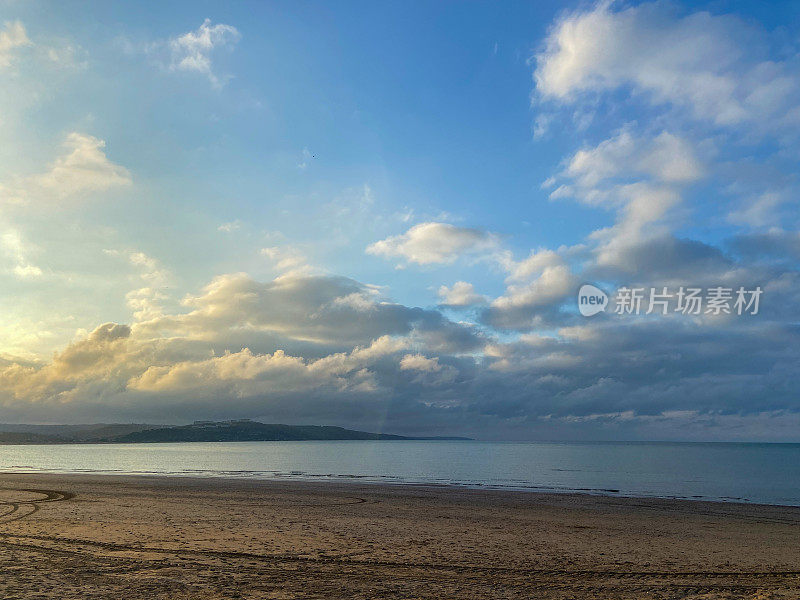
{"points": [[77, 536]]}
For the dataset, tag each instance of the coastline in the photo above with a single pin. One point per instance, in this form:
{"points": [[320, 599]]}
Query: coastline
{"points": [[175, 537], [379, 481], [751, 474]]}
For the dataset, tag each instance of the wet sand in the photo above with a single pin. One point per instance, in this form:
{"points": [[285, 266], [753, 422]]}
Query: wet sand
{"points": [[80, 536]]}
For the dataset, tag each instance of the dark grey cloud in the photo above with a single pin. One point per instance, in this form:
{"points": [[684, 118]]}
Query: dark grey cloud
{"points": [[774, 244], [667, 258]]}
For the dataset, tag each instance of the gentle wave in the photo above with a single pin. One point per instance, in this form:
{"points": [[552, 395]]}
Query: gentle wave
{"points": [[761, 473], [312, 477]]}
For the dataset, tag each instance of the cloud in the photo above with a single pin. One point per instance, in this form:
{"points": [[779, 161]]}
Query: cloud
{"points": [[245, 374], [667, 259], [323, 310], [287, 259], [149, 269], [299, 349], [435, 243], [537, 287], [417, 362], [145, 301], [641, 178], [230, 227], [429, 369], [66, 56], [59, 53], [713, 67], [536, 262], [649, 368], [192, 51], [82, 168], [176, 354], [775, 243], [12, 37], [305, 159], [666, 158], [685, 86], [460, 295], [759, 211], [17, 250]]}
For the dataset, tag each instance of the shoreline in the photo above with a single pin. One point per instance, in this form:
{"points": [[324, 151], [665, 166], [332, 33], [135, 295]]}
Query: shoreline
{"points": [[751, 474], [395, 482], [96, 536]]}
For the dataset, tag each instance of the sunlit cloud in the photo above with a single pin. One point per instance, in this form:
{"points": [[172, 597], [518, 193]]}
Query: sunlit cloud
{"points": [[82, 168], [12, 37], [192, 51], [435, 243]]}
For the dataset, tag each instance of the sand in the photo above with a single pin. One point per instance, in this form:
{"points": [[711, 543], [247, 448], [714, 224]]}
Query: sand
{"points": [[80, 536]]}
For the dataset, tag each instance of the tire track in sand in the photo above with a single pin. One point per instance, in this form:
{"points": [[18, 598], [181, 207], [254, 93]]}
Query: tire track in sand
{"points": [[574, 580], [19, 509]]}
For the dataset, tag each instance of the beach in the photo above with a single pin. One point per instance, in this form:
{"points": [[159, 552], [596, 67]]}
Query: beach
{"points": [[93, 536]]}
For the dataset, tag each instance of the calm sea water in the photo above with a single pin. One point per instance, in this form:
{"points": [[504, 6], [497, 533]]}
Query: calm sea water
{"points": [[764, 473]]}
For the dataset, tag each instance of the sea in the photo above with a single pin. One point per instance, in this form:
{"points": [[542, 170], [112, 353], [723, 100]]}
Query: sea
{"points": [[725, 472]]}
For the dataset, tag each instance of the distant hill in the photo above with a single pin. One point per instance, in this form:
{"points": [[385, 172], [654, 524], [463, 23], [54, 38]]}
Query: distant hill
{"points": [[87, 432], [105, 432], [252, 431], [201, 431], [21, 437]]}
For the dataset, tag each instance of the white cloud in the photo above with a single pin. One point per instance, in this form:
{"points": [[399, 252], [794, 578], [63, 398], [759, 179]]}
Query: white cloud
{"points": [[354, 204], [666, 158], [640, 178], [711, 66], [695, 91], [534, 264], [149, 269], [60, 53], [305, 159], [84, 167], [145, 301], [12, 37], [66, 56], [27, 271], [553, 284], [333, 311], [192, 51], [430, 372], [249, 374], [120, 359], [460, 295], [287, 259], [435, 243], [760, 211], [418, 362], [536, 286], [230, 227], [17, 250]]}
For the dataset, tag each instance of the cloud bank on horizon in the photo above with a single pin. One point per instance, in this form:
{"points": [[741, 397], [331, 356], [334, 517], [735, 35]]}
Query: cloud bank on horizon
{"points": [[199, 223]]}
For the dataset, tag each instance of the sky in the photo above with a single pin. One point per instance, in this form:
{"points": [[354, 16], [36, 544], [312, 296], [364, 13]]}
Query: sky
{"points": [[379, 216]]}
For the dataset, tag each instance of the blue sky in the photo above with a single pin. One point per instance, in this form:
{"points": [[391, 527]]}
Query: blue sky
{"points": [[246, 194]]}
